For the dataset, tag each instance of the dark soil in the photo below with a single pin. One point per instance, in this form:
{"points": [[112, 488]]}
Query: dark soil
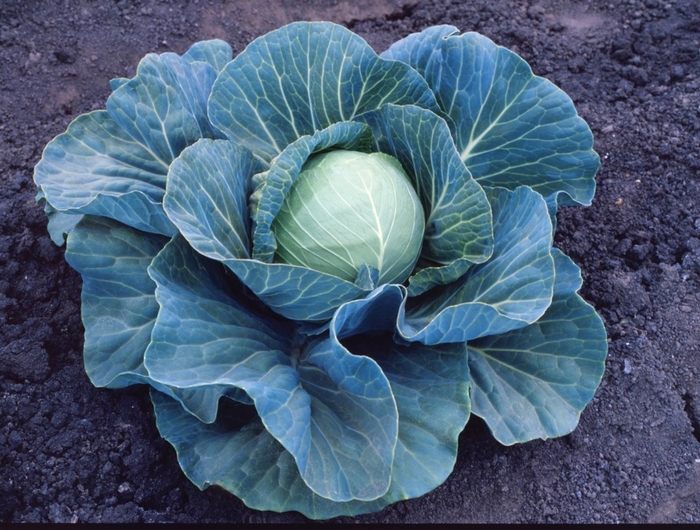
{"points": [[72, 452]]}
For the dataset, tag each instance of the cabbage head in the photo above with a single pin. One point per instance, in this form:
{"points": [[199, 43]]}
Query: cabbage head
{"points": [[323, 260]]}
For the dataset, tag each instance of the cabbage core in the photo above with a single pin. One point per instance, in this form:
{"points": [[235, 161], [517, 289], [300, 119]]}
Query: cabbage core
{"points": [[347, 209]]}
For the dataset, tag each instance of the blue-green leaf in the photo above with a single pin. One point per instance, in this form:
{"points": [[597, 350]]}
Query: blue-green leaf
{"points": [[114, 163], [117, 82], [215, 52], [354, 423], [96, 168], [430, 385], [535, 381], [512, 128], [118, 304], [420, 49], [258, 469], [458, 224], [429, 276], [274, 187], [201, 332], [431, 388], [60, 224], [568, 276], [164, 108], [119, 308], [207, 197], [302, 78], [367, 277], [377, 312], [333, 411], [295, 292], [512, 289]]}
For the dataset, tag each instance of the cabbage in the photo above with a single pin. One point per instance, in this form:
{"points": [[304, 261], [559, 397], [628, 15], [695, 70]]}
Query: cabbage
{"points": [[323, 261], [348, 212]]}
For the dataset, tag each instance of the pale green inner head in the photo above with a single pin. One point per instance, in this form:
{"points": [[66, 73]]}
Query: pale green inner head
{"points": [[347, 208]]}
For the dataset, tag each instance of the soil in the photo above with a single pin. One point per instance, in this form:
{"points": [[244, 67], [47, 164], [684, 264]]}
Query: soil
{"points": [[70, 452]]}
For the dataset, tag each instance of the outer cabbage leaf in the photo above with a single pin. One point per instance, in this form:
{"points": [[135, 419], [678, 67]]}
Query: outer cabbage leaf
{"points": [[215, 52], [195, 305], [302, 78], [164, 108], [114, 163], [430, 385], [512, 289], [96, 168], [427, 275], [535, 381], [207, 197], [118, 305], [60, 224], [353, 424], [430, 388], [421, 49], [512, 128], [296, 292], [334, 412], [117, 82], [459, 223]]}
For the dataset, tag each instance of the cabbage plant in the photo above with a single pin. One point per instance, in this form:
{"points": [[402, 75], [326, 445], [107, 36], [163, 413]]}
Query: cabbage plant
{"points": [[323, 260]]}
